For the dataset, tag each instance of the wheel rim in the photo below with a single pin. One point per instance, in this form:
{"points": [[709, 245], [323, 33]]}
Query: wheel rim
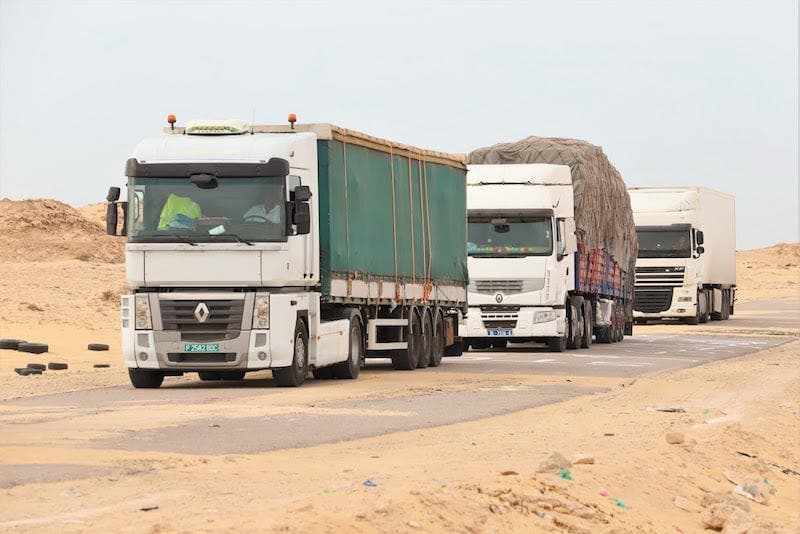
{"points": [[299, 352], [355, 345]]}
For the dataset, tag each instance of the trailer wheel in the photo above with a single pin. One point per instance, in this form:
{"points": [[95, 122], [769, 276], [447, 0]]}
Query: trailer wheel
{"points": [[350, 368], [456, 349], [588, 326], [438, 341], [294, 375], [145, 378], [424, 359], [406, 359]]}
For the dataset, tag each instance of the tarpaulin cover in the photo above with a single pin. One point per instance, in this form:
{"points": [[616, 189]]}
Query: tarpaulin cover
{"points": [[603, 215]]}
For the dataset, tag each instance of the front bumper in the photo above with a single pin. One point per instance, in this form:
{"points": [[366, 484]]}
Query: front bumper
{"points": [[149, 349], [676, 302], [521, 323]]}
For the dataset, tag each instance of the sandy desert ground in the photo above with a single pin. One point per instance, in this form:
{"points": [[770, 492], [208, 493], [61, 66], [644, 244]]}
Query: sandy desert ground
{"points": [[60, 281]]}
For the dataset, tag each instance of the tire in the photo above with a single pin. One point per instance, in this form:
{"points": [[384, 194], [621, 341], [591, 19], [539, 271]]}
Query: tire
{"points": [[322, 373], [25, 371], [101, 365], [57, 366], [39, 366], [606, 335], [707, 313], [294, 375], [456, 349], [11, 344], [232, 375], [145, 379], [588, 327], [208, 376], [406, 359], [437, 350], [33, 348], [575, 323], [97, 346], [696, 319], [557, 344], [427, 340], [628, 330], [349, 369]]}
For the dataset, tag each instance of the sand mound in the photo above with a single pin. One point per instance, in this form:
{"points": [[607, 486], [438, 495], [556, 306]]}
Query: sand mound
{"points": [[95, 213], [48, 230], [772, 272]]}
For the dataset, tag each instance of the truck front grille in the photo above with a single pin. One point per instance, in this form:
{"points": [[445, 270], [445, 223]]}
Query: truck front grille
{"points": [[224, 319], [659, 276], [498, 316], [652, 300], [201, 357], [508, 287], [500, 324]]}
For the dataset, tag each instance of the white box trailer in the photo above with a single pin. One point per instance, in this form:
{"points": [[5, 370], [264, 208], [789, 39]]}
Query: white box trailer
{"points": [[686, 267]]}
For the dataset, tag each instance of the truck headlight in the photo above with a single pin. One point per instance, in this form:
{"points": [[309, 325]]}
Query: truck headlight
{"points": [[544, 316], [261, 312], [685, 299], [142, 311]]}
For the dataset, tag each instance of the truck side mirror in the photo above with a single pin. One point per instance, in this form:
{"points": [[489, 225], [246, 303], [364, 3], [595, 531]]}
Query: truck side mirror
{"points": [[302, 193], [700, 250], [302, 218], [111, 217], [699, 238], [113, 194]]}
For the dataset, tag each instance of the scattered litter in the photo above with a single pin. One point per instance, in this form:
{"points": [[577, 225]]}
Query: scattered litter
{"points": [[604, 493], [746, 454], [370, 484], [414, 524], [706, 411], [620, 503], [214, 425], [495, 509], [101, 365], [609, 434], [97, 346], [583, 459], [326, 491], [671, 410], [508, 473], [565, 474], [148, 508], [685, 504]]}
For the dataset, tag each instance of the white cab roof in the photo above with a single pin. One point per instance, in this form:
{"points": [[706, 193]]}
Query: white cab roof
{"points": [[230, 148], [530, 173]]}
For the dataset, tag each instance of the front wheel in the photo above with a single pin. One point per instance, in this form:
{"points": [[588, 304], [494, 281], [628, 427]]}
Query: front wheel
{"points": [[145, 378], [294, 375], [350, 368], [557, 344], [588, 327]]}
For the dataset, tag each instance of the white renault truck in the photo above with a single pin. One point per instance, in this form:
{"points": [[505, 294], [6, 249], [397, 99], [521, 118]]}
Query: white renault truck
{"points": [[531, 277], [294, 248], [686, 267]]}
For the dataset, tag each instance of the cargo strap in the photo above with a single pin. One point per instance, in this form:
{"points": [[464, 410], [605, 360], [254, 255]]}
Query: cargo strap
{"points": [[394, 214], [346, 207]]}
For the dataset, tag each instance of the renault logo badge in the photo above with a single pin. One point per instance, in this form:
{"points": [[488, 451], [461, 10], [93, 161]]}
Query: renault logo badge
{"points": [[201, 312], [498, 298]]}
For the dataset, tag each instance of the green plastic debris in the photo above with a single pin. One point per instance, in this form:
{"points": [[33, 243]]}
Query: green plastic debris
{"points": [[620, 503], [565, 474]]}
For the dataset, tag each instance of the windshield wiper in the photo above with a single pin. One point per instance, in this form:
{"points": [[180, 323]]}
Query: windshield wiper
{"points": [[236, 237], [182, 239]]}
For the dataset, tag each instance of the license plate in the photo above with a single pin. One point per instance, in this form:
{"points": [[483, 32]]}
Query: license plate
{"points": [[201, 347], [499, 332]]}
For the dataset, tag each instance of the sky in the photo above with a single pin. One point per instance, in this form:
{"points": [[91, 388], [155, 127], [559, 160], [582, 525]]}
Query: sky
{"points": [[676, 92]]}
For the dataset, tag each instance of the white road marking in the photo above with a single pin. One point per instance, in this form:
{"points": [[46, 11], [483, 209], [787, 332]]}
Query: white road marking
{"points": [[620, 364], [594, 356], [544, 360]]}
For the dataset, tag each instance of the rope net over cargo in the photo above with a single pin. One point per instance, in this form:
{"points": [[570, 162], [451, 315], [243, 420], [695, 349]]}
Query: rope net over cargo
{"points": [[603, 215]]}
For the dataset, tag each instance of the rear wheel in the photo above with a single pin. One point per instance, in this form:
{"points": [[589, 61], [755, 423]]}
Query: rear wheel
{"points": [[438, 341], [557, 344], [350, 368], [427, 340], [406, 359], [706, 315], [456, 349], [322, 373], [145, 378], [294, 375]]}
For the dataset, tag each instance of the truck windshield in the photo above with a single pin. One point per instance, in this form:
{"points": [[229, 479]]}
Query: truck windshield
{"points": [[509, 237], [664, 243], [237, 209]]}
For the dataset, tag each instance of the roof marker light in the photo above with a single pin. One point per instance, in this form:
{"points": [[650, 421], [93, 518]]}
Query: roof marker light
{"points": [[292, 119]]}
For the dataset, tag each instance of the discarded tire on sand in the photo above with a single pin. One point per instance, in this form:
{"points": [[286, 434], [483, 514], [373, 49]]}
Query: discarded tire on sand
{"points": [[57, 366], [11, 344], [97, 346], [33, 348]]}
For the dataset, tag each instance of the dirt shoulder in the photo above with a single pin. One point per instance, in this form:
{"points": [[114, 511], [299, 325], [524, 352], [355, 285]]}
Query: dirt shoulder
{"points": [[452, 477]]}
